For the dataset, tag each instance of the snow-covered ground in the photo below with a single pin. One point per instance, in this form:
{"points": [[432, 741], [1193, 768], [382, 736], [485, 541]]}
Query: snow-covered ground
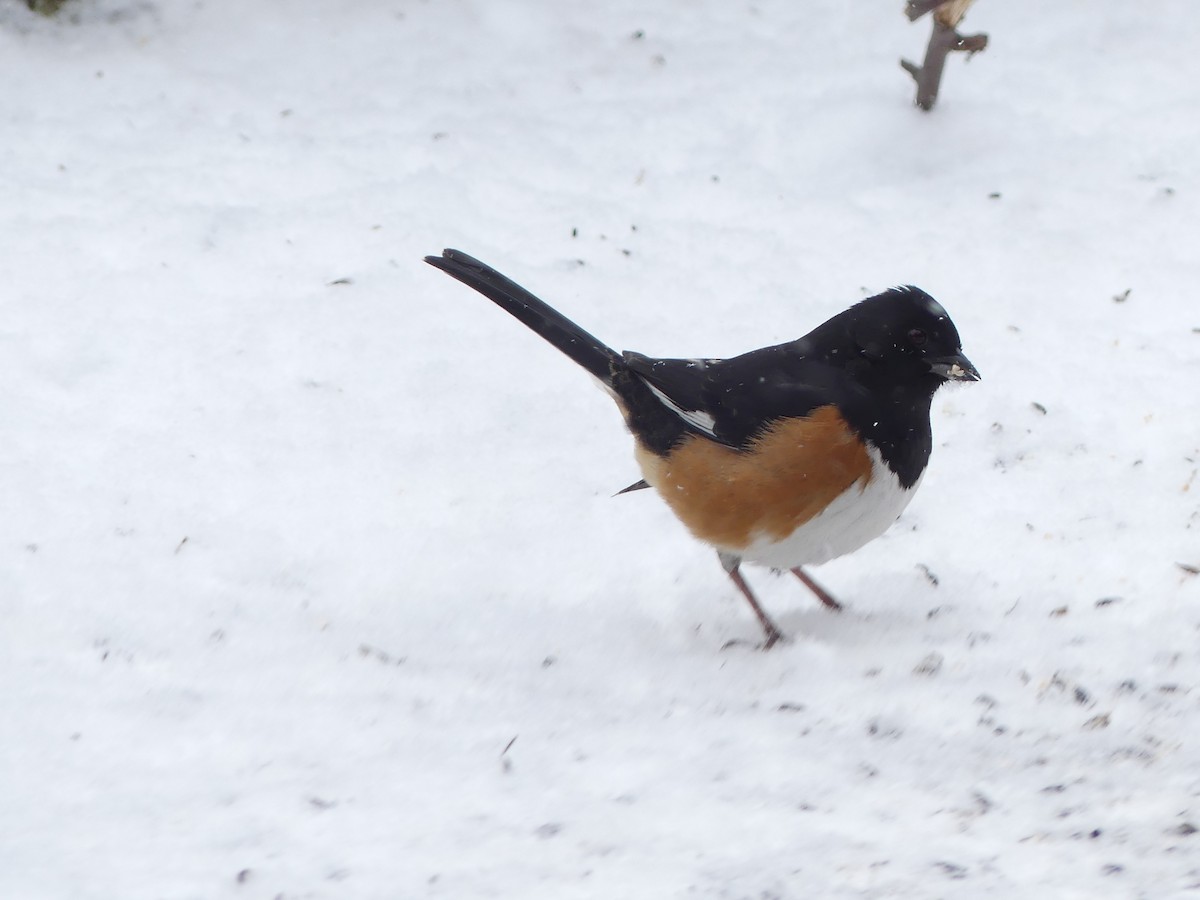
{"points": [[311, 580]]}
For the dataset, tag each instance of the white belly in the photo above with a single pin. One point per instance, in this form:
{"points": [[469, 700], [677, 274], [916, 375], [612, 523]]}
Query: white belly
{"points": [[856, 517]]}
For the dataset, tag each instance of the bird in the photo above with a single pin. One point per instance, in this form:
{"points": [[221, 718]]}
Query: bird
{"points": [[787, 456]]}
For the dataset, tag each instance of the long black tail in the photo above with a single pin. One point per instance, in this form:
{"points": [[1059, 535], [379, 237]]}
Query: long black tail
{"points": [[556, 328]]}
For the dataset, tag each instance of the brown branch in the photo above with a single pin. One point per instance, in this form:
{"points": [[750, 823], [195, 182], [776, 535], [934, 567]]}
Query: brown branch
{"points": [[944, 40]]}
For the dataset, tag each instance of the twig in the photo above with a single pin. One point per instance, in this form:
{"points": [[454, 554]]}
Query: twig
{"points": [[944, 40]]}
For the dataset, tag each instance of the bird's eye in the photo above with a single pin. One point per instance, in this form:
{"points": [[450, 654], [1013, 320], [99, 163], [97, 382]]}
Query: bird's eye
{"points": [[917, 337]]}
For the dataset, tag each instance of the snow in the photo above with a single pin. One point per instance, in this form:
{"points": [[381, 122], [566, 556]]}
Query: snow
{"points": [[312, 581]]}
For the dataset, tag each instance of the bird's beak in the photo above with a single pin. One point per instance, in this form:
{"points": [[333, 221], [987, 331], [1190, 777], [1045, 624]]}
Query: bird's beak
{"points": [[954, 368]]}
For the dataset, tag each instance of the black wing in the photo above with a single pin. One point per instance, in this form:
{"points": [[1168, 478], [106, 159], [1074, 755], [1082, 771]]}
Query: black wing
{"points": [[732, 400]]}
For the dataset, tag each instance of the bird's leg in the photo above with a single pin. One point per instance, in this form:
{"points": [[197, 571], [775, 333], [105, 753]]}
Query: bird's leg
{"points": [[731, 564], [823, 595]]}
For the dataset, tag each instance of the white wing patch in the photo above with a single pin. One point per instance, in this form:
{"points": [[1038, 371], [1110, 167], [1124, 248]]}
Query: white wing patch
{"points": [[694, 417]]}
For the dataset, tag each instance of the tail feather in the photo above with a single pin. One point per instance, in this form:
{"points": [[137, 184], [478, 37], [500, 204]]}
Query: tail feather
{"points": [[640, 485], [552, 325]]}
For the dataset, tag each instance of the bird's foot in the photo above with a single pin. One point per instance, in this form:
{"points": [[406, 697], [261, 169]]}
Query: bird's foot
{"points": [[773, 637]]}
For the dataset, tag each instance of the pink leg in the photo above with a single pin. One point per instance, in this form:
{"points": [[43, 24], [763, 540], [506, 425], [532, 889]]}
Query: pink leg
{"points": [[823, 595], [774, 635]]}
